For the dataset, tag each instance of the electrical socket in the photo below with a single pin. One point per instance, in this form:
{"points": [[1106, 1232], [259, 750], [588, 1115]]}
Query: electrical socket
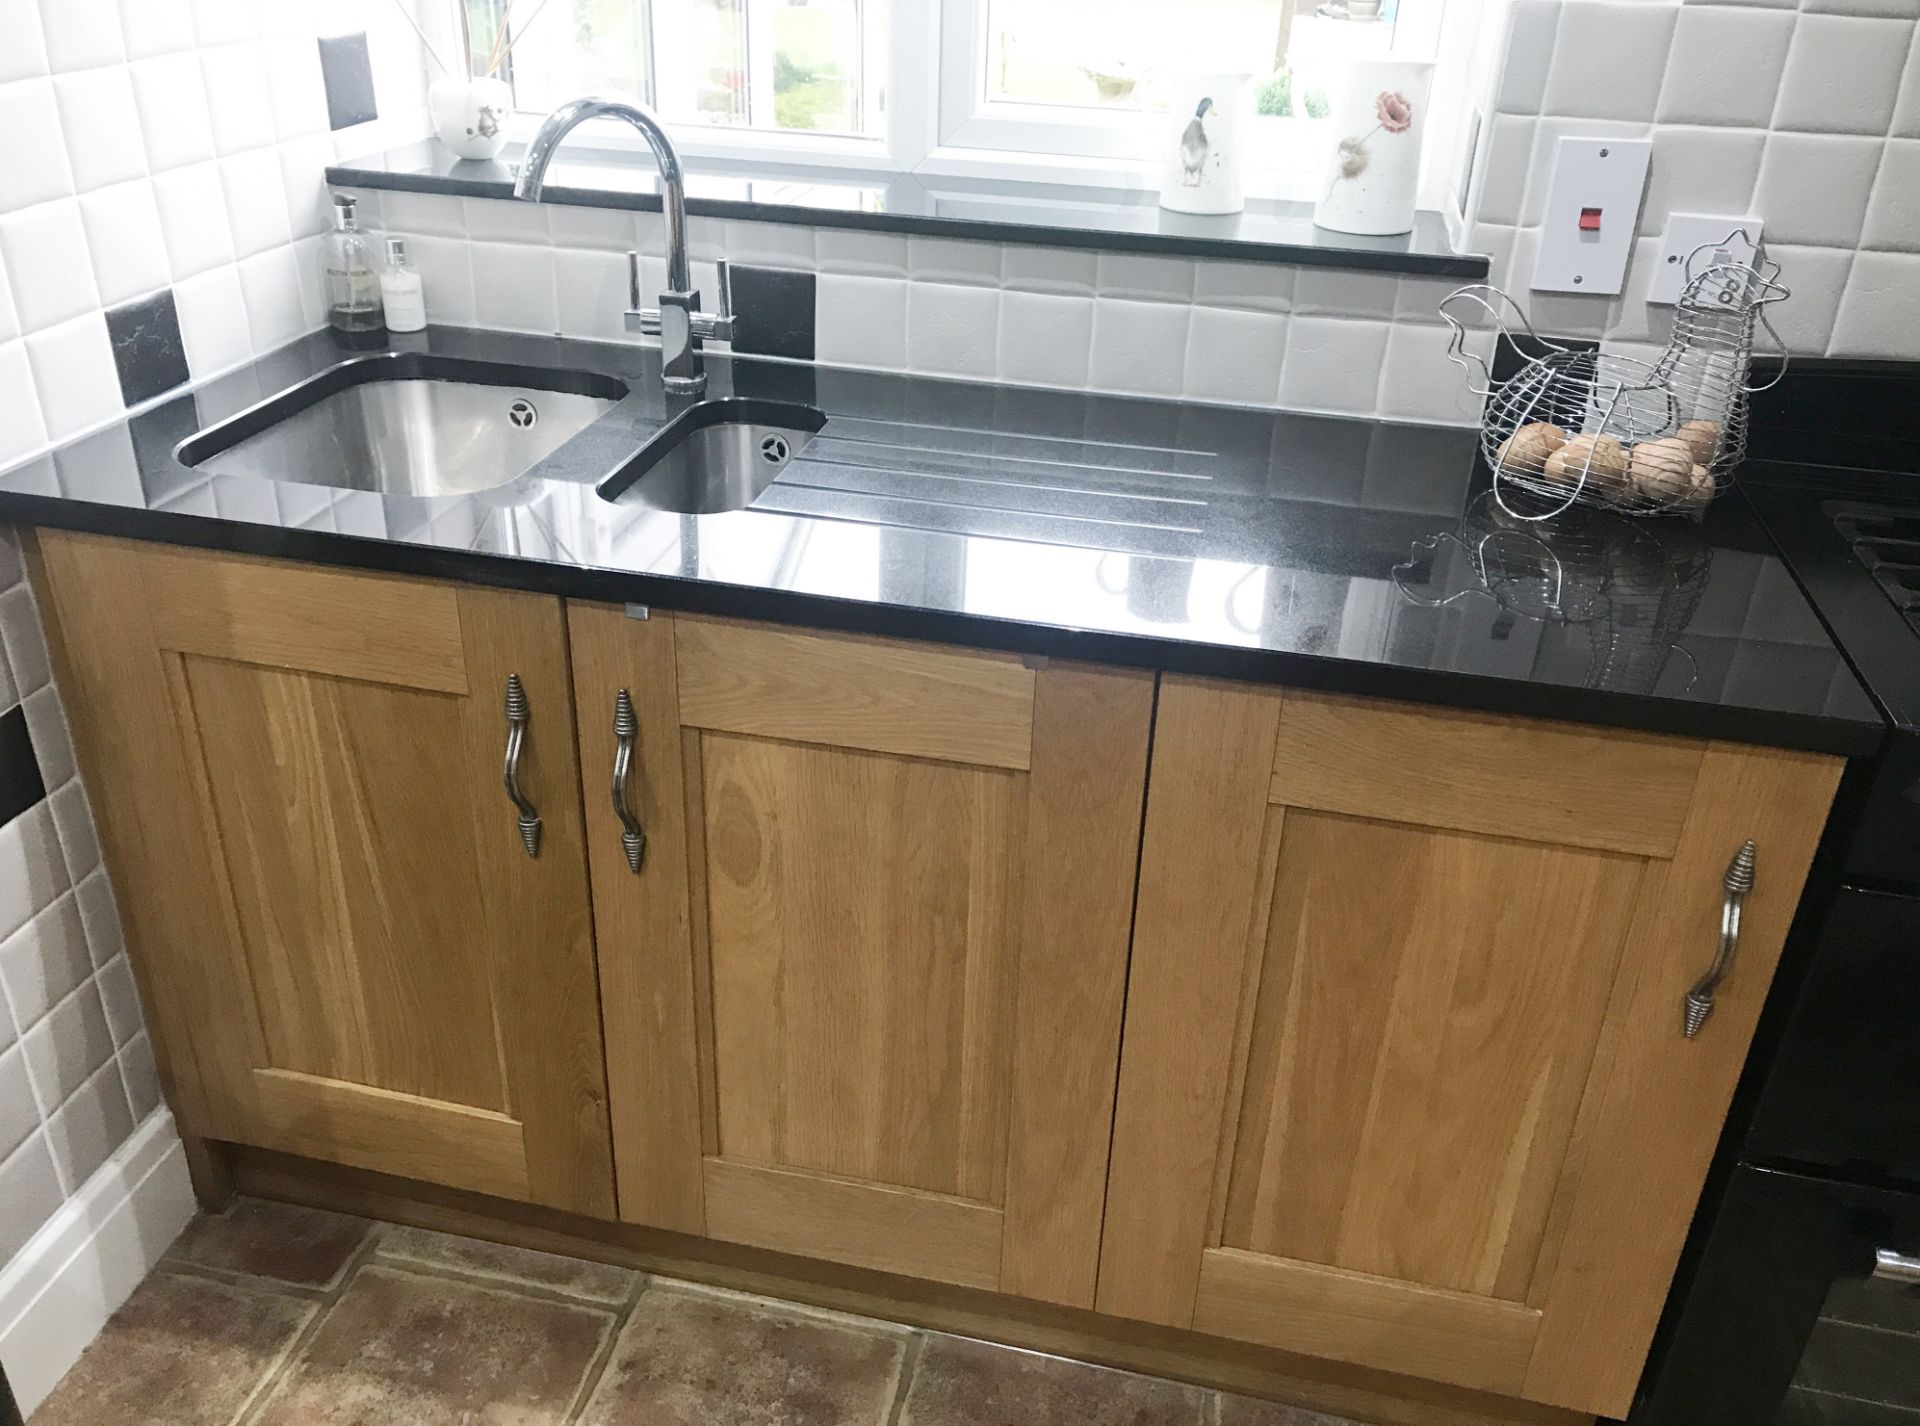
{"points": [[1716, 237]]}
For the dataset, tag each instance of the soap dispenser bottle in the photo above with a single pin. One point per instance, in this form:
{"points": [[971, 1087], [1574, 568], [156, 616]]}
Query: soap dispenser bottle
{"points": [[401, 290], [352, 279]]}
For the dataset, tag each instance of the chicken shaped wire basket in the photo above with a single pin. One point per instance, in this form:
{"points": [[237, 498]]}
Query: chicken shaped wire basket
{"points": [[1575, 426]]}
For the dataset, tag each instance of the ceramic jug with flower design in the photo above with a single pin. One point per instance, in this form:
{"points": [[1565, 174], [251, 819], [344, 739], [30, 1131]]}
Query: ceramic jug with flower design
{"points": [[1373, 171]]}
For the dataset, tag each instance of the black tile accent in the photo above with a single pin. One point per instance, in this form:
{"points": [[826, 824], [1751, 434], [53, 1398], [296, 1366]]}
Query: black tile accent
{"points": [[348, 71], [147, 350], [21, 785], [773, 312]]}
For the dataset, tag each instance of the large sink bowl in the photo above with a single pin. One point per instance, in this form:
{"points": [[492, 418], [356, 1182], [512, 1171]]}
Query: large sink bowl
{"points": [[718, 455], [407, 423]]}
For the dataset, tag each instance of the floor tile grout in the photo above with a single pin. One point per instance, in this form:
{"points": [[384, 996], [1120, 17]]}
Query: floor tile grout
{"points": [[909, 1364]]}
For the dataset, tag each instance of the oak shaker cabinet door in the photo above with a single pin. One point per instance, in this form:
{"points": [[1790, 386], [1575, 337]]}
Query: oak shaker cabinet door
{"points": [[1405, 1079], [348, 948], [863, 975]]}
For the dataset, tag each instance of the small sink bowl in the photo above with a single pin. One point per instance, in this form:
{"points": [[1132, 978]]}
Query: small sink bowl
{"points": [[407, 423], [718, 455]]}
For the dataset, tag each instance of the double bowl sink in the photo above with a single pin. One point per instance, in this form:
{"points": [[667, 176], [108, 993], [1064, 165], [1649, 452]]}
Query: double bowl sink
{"points": [[413, 423]]}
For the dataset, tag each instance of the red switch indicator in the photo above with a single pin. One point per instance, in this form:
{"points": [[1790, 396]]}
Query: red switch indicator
{"points": [[1589, 220]]}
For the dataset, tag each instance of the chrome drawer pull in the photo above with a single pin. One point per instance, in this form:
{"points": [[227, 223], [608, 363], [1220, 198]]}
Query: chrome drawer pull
{"points": [[517, 714], [1738, 882], [1890, 1266], [633, 837]]}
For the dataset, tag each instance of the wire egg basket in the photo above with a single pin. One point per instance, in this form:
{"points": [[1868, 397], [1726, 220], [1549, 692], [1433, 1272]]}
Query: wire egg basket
{"points": [[1575, 426]]}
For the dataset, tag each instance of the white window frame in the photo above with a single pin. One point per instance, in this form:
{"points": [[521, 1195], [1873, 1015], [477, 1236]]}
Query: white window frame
{"points": [[948, 128]]}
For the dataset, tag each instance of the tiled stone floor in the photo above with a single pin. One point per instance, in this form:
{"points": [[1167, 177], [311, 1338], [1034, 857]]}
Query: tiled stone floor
{"points": [[270, 1315]]}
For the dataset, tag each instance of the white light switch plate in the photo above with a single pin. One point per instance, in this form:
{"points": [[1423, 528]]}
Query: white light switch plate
{"points": [[1608, 174], [1691, 232]]}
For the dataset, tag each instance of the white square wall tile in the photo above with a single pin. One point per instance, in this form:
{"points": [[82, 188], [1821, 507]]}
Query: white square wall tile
{"points": [[1891, 9], [9, 318], [1818, 277], [860, 321], [1251, 286], [73, 822], [303, 165], [69, 1045], [33, 873], [1071, 271], [238, 100], [590, 288], [153, 27], [1148, 276], [1234, 356], [513, 287], [74, 372], [446, 278], [101, 917], [1139, 347], [1522, 83], [297, 87], [870, 254], [1725, 65], [142, 1077], [952, 330], [1880, 313], [225, 22], [45, 961], [1843, 74], [52, 742], [19, 1110], [25, 643], [256, 201], [1333, 364], [1503, 174], [213, 321], [1701, 170], [1906, 109], [1419, 383], [24, 431], [603, 229], [501, 220], [101, 125], [124, 237], [1893, 212], [34, 168], [270, 284], [1339, 292], [950, 260], [193, 219], [1608, 60], [1814, 188], [171, 95], [48, 266], [1046, 339], [80, 34], [25, 53], [93, 1122], [787, 245], [421, 214], [29, 1193]]}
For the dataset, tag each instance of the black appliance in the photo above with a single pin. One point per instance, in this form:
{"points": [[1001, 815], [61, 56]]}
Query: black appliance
{"points": [[1799, 1303]]}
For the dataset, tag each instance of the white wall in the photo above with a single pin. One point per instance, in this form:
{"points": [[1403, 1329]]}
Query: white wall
{"points": [[1808, 115]]}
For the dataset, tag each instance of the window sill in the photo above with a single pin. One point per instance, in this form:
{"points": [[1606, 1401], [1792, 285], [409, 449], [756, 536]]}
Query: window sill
{"points": [[993, 210]]}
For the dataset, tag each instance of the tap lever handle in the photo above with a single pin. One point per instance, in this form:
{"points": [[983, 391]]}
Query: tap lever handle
{"points": [[723, 296], [633, 280]]}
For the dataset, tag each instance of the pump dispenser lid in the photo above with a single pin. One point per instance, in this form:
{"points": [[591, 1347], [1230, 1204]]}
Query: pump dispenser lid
{"points": [[343, 206], [397, 252]]}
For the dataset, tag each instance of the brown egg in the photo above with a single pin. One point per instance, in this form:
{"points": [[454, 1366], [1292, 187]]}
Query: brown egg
{"points": [[1598, 459], [1702, 488], [1702, 438], [1525, 452], [1662, 470]]}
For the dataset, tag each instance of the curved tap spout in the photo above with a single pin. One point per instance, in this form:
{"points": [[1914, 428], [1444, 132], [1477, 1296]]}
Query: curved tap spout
{"points": [[562, 121]]}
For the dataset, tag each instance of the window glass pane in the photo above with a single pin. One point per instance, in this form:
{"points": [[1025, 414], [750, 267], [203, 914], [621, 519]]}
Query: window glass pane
{"points": [[701, 73], [1118, 54], [817, 70], [566, 48]]}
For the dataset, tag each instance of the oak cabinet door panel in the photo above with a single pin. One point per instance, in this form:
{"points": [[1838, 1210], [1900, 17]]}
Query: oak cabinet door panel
{"points": [[863, 994], [299, 771], [1404, 1080]]}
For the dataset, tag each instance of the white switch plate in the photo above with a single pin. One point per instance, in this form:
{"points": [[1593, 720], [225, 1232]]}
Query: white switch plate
{"points": [[1691, 232], [1608, 174]]}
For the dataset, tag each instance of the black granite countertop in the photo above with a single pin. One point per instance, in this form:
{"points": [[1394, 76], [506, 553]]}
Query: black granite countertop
{"points": [[995, 210], [1314, 551]]}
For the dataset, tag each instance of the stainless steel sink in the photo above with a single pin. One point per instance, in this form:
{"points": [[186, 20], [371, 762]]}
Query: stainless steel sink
{"points": [[407, 423], [718, 455]]}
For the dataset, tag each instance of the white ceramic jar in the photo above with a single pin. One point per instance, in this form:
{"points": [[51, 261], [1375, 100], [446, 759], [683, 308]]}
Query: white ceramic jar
{"points": [[1379, 123], [470, 115]]}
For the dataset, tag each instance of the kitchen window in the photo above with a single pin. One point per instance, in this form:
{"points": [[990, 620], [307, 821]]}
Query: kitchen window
{"points": [[1069, 90]]}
